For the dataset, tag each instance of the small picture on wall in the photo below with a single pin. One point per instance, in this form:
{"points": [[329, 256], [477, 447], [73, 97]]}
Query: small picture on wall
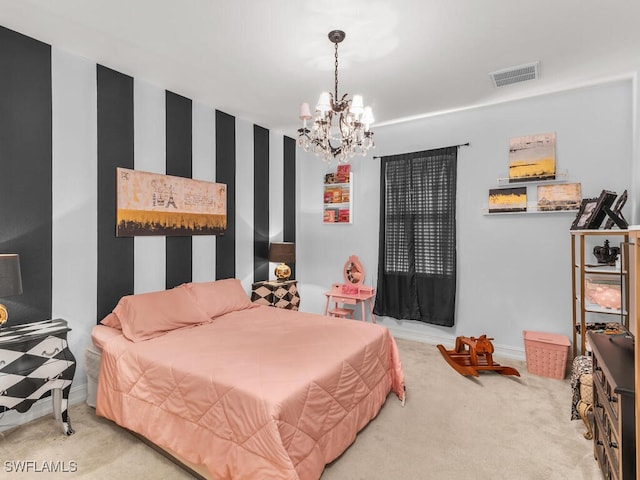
{"points": [[532, 158], [508, 199], [565, 196]]}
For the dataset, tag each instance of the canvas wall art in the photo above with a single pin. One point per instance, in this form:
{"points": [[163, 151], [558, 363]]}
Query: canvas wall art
{"points": [[563, 196], [532, 158], [154, 204], [508, 199]]}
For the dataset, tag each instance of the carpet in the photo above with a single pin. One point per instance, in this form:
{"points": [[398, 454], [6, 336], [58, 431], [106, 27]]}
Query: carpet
{"points": [[491, 427]]}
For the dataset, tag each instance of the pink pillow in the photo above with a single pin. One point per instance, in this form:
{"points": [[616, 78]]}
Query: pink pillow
{"points": [[220, 297], [149, 315], [112, 321]]}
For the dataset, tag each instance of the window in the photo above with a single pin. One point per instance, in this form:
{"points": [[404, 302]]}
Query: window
{"points": [[417, 264]]}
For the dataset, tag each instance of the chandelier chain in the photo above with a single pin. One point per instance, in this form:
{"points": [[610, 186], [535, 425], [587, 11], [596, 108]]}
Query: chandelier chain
{"points": [[336, 73]]}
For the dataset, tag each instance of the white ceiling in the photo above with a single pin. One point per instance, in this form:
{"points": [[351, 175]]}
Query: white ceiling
{"points": [[258, 59]]}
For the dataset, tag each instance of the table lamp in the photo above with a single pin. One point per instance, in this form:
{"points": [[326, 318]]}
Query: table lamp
{"points": [[283, 252], [10, 281]]}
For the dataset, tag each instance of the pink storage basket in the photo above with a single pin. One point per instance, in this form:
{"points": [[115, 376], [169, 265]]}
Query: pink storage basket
{"points": [[546, 353]]}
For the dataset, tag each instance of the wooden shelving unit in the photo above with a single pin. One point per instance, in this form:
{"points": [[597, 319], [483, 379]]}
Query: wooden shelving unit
{"points": [[584, 267]]}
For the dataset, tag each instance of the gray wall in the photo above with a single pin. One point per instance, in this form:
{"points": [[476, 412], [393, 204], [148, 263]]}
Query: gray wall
{"points": [[513, 270]]}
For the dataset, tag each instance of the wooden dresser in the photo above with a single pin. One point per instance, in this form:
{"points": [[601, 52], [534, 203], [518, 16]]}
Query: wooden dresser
{"points": [[613, 400]]}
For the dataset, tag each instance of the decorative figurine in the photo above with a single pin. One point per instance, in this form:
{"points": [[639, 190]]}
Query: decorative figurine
{"points": [[606, 254], [472, 355]]}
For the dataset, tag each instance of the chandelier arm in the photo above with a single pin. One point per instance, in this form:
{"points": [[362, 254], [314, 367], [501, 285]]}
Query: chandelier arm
{"points": [[335, 151]]}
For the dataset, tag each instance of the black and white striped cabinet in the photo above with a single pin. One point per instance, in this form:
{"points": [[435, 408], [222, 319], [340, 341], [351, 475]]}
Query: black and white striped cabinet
{"points": [[35, 359]]}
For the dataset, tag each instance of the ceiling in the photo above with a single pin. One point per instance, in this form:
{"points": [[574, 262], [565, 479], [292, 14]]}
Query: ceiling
{"points": [[259, 59]]}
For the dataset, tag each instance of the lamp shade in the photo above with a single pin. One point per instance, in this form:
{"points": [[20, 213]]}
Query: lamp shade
{"points": [[305, 112], [284, 252], [357, 105], [324, 102], [10, 277]]}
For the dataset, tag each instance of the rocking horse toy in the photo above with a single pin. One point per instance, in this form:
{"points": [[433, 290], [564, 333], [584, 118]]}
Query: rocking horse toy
{"points": [[472, 355]]}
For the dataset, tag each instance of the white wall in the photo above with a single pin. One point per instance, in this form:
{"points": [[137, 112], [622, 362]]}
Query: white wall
{"points": [[149, 155], [513, 270], [74, 197], [244, 203], [204, 168]]}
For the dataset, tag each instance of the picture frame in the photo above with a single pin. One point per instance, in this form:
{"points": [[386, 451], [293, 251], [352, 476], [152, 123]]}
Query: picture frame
{"points": [[605, 200], [615, 214], [593, 210], [585, 213]]}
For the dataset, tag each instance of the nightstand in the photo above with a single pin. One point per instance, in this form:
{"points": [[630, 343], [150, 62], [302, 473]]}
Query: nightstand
{"points": [[35, 359], [276, 294]]}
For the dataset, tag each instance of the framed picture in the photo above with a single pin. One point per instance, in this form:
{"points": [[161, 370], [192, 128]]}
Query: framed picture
{"points": [[508, 200], [593, 210], [615, 214], [585, 213], [154, 204], [605, 200], [563, 196], [532, 157]]}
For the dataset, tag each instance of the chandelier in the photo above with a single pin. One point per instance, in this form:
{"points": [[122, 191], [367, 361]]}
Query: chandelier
{"points": [[350, 135]]}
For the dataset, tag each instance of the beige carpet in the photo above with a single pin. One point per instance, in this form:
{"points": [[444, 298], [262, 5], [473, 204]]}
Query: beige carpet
{"points": [[452, 427]]}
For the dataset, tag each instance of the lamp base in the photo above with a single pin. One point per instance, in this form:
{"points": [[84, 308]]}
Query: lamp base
{"points": [[4, 315], [282, 272]]}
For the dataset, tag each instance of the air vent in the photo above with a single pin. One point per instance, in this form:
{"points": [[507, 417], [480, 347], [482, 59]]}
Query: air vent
{"points": [[521, 73]]}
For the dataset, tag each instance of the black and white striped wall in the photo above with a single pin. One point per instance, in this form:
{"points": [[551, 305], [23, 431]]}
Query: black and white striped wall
{"points": [[66, 123]]}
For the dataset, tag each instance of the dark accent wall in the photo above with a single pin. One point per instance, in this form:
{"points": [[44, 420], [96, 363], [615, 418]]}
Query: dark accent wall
{"points": [[289, 227], [260, 204], [26, 175], [26, 181], [115, 149], [226, 173], [179, 250]]}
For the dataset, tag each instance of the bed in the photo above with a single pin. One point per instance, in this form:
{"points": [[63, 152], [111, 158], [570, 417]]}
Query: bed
{"points": [[235, 390]]}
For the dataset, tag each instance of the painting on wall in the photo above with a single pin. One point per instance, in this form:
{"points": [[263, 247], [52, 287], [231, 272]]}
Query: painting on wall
{"points": [[532, 158], [564, 196], [155, 204], [508, 199]]}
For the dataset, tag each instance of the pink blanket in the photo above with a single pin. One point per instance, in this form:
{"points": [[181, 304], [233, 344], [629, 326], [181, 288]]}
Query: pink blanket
{"points": [[258, 393]]}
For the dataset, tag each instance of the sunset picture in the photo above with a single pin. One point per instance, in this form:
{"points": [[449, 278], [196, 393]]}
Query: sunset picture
{"points": [[508, 200], [532, 157]]}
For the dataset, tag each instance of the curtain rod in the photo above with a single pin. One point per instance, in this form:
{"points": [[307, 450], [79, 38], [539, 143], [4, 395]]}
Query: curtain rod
{"points": [[459, 145]]}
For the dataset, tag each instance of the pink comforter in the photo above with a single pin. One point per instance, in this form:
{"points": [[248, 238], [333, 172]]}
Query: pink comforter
{"points": [[262, 393]]}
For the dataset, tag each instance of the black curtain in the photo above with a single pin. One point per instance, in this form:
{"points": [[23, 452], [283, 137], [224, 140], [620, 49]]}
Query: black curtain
{"points": [[417, 254]]}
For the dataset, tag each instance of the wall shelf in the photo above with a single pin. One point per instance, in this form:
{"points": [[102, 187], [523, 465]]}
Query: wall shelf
{"points": [[561, 177], [337, 206], [532, 208]]}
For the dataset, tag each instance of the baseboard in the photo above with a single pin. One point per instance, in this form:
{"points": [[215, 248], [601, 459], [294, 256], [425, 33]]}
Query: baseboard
{"points": [[42, 407], [450, 340]]}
